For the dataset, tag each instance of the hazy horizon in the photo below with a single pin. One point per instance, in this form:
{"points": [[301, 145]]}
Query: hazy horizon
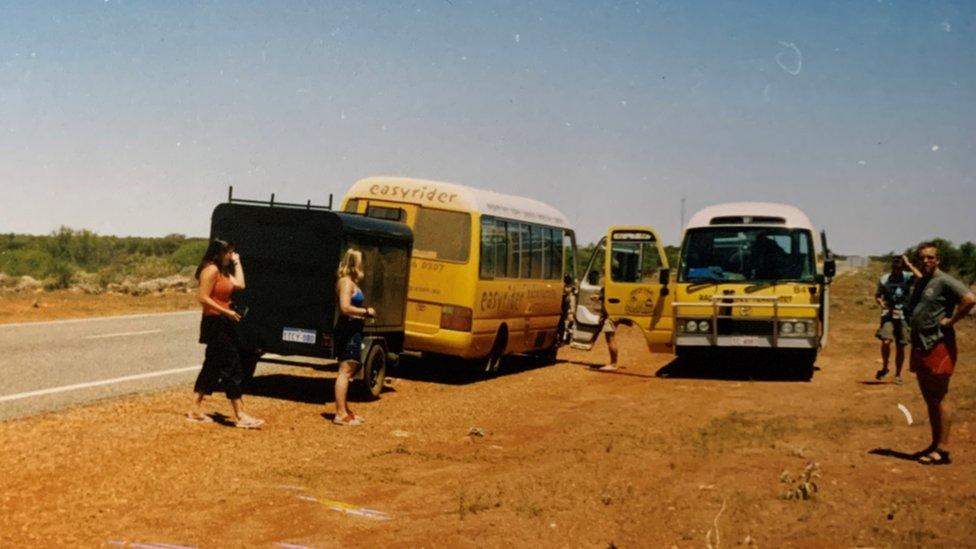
{"points": [[132, 118]]}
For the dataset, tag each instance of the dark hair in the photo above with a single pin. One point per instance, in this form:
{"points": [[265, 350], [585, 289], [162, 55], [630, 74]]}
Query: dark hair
{"points": [[212, 256], [926, 245]]}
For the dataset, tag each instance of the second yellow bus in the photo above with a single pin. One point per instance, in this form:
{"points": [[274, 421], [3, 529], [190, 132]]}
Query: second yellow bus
{"points": [[490, 272]]}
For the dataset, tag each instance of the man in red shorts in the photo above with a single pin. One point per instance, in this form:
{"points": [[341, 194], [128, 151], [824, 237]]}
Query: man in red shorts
{"points": [[938, 302]]}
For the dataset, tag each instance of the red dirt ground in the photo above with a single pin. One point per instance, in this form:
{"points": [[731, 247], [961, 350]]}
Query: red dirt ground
{"points": [[569, 457]]}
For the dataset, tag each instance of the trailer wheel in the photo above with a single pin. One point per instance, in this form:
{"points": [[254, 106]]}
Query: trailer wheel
{"points": [[374, 374]]}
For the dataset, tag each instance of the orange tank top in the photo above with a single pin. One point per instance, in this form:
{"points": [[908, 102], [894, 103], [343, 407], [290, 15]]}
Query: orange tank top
{"points": [[220, 293]]}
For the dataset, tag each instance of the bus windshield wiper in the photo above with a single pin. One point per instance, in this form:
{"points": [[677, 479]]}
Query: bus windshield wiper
{"points": [[702, 284], [761, 285]]}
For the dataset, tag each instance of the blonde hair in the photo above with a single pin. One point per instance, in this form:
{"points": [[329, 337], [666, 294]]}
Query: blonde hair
{"points": [[351, 264]]}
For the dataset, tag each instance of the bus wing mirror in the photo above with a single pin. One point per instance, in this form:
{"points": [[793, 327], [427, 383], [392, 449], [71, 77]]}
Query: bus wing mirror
{"points": [[829, 268], [664, 276]]}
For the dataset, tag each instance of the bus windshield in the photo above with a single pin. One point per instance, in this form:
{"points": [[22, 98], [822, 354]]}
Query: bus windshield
{"points": [[761, 254]]}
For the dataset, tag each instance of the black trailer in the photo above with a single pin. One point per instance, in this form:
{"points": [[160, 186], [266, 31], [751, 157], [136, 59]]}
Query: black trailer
{"points": [[291, 253]]}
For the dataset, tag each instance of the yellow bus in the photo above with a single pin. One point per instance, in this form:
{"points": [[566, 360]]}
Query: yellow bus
{"points": [[753, 276], [489, 272]]}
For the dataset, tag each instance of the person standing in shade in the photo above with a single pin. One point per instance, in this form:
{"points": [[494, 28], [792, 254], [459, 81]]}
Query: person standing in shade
{"points": [[892, 294], [937, 303], [220, 274], [349, 332]]}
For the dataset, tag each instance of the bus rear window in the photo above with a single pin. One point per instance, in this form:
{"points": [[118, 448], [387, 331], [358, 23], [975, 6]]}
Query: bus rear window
{"points": [[440, 234]]}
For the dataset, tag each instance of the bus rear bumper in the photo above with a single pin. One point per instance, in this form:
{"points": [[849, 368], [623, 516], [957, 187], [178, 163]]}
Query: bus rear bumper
{"points": [[451, 343]]}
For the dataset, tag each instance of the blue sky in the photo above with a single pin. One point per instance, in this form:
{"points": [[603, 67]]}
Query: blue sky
{"points": [[133, 117]]}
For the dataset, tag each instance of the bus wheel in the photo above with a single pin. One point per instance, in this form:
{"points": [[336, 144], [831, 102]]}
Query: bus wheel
{"points": [[802, 365], [492, 364], [374, 374]]}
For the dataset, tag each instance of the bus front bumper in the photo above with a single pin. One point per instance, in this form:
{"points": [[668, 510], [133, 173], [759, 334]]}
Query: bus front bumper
{"points": [[759, 342]]}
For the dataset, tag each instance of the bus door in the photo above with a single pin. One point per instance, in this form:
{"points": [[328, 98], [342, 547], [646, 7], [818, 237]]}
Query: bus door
{"points": [[588, 315], [636, 289]]}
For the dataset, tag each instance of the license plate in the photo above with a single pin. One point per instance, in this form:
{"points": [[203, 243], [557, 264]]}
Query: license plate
{"points": [[744, 341], [298, 335]]}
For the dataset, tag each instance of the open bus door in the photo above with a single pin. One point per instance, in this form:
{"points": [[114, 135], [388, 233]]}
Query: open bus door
{"points": [[627, 280]]}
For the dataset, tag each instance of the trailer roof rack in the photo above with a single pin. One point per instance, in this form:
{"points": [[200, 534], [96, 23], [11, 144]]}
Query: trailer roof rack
{"points": [[272, 204]]}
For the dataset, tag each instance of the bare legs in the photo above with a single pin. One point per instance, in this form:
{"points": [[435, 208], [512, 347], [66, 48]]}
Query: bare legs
{"points": [[886, 358], [346, 370]]}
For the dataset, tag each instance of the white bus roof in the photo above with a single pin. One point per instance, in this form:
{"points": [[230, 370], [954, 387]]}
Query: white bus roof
{"points": [[452, 196], [751, 213]]}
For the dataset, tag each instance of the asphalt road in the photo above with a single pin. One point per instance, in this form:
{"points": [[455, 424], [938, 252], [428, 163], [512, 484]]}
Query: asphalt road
{"points": [[47, 366]]}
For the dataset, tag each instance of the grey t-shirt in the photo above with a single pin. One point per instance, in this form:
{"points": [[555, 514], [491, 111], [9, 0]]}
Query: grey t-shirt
{"points": [[933, 299]]}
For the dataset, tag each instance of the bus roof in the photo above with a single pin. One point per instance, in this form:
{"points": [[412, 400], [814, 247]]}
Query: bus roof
{"points": [[750, 213], [452, 196]]}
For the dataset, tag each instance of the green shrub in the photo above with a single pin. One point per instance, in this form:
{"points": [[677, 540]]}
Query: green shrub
{"points": [[189, 253], [59, 275], [26, 261]]}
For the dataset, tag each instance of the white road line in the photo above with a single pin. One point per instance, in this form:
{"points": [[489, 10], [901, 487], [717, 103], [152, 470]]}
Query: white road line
{"points": [[122, 334], [89, 384], [95, 319]]}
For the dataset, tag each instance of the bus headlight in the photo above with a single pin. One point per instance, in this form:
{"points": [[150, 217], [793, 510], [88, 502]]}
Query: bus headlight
{"points": [[691, 326], [796, 328], [456, 318], [703, 326]]}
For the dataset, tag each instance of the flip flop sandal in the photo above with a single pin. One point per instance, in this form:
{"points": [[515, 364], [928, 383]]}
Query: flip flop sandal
{"points": [[349, 420], [935, 457], [250, 423], [608, 368], [194, 417]]}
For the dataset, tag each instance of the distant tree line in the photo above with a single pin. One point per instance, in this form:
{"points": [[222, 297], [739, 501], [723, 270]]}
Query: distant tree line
{"points": [[58, 258]]}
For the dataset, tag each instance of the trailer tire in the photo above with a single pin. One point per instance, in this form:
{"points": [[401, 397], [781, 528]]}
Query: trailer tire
{"points": [[374, 374]]}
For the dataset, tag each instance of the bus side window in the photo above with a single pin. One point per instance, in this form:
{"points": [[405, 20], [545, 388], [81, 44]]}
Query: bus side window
{"points": [[494, 249], [525, 251], [514, 249], [538, 252], [556, 257]]}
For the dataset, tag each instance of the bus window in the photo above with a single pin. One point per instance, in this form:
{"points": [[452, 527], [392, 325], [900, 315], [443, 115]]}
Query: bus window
{"points": [[634, 261], [383, 212], [352, 205], [538, 252], [514, 254], [555, 254], [441, 234], [501, 249], [493, 248], [525, 251]]}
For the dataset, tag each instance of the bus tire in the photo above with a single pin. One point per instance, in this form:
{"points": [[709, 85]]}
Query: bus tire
{"points": [[374, 374], [492, 364], [802, 365]]}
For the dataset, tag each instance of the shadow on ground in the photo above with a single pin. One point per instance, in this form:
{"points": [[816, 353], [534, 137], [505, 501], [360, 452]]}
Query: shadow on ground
{"points": [[299, 388], [452, 371], [731, 370]]}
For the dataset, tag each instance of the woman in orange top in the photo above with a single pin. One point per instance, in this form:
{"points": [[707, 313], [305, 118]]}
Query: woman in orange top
{"points": [[220, 273]]}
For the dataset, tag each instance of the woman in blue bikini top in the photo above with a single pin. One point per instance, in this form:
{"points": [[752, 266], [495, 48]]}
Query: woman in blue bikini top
{"points": [[349, 331]]}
